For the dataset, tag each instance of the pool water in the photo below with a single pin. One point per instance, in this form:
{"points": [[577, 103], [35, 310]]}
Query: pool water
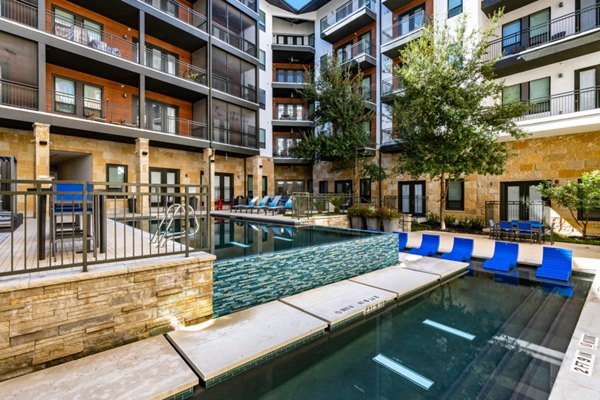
{"points": [[482, 336]]}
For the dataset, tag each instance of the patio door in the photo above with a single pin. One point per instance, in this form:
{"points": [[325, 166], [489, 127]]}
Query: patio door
{"points": [[588, 15], [223, 187], [411, 198], [365, 190], [521, 201], [585, 86], [163, 176]]}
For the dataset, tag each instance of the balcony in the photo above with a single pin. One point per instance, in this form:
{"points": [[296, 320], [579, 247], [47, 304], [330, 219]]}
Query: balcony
{"points": [[395, 4], [389, 88], [234, 138], [395, 37], [287, 81], [360, 55], [560, 39], [251, 4], [18, 95], [370, 96], [489, 6], [347, 19], [388, 143], [233, 39], [291, 116], [282, 154], [287, 47], [583, 100], [180, 12], [19, 11], [234, 88]]}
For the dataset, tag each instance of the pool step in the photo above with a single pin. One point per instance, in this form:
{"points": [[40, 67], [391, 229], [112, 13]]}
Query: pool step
{"points": [[227, 346], [444, 269], [402, 281], [148, 369]]}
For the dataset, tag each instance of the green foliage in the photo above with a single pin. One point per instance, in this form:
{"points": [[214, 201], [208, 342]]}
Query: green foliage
{"points": [[432, 219], [336, 202], [370, 212], [374, 172], [320, 205], [356, 210], [582, 195], [449, 114], [387, 213], [338, 116], [450, 220]]}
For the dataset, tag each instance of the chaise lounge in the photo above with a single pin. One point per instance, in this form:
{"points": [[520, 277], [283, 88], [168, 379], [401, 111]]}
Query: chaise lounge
{"points": [[462, 250], [556, 264], [429, 246], [504, 258]]}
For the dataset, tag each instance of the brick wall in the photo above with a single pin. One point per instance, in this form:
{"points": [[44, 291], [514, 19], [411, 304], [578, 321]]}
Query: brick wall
{"points": [[47, 321]]}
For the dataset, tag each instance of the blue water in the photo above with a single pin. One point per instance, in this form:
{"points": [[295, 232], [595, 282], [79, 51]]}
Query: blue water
{"points": [[519, 330]]}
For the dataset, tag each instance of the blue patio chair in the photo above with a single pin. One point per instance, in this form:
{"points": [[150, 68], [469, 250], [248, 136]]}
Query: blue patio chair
{"points": [[69, 197], [504, 258], [556, 264], [252, 202], [272, 204], [429, 246], [505, 228], [524, 230], [402, 240], [462, 250], [253, 206], [287, 206]]}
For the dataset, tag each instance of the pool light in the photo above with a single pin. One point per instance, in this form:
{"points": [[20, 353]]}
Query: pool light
{"points": [[449, 329], [401, 370]]}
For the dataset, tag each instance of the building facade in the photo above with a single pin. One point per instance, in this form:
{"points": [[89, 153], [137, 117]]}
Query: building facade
{"points": [[205, 91]]}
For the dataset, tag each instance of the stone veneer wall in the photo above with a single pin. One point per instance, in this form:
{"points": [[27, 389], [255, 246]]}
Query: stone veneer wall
{"points": [[49, 320], [249, 281]]}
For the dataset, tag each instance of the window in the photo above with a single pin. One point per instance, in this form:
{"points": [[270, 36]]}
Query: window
{"points": [[160, 117], [511, 36], [250, 183], [411, 199], [233, 124], [262, 138], [455, 7], [291, 112], [539, 27], [364, 44], [92, 100], [233, 75], [410, 21], [323, 187], [77, 28], [262, 57], [365, 87], [455, 197], [261, 20], [539, 95], [233, 27], [265, 186], [64, 95], [262, 99], [289, 75], [162, 60], [343, 186], [593, 215], [287, 187], [77, 98], [116, 174], [511, 94], [292, 40]]}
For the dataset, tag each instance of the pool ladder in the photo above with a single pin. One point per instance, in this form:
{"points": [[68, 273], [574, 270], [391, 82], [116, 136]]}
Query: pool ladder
{"points": [[164, 231]]}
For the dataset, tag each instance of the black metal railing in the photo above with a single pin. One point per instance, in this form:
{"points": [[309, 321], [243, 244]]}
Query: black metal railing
{"points": [[181, 12], [283, 39], [233, 39], [19, 11], [516, 210], [173, 66], [345, 11], [563, 103], [63, 224], [405, 27], [233, 137], [234, 88], [293, 115], [551, 31], [20, 95]]}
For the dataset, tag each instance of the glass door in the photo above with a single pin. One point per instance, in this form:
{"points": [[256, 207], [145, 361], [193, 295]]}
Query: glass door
{"points": [[521, 201], [588, 15], [163, 176], [587, 98], [365, 190], [223, 188], [539, 31], [412, 198]]}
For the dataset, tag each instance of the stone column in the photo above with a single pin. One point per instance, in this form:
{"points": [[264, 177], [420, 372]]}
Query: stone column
{"points": [[142, 173], [257, 171], [209, 176], [41, 167]]}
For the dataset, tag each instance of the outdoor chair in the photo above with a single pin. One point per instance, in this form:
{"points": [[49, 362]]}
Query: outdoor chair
{"points": [[493, 229], [504, 229], [239, 207], [462, 250], [556, 264], [429, 246], [402, 240], [504, 258], [253, 206], [272, 204], [284, 208], [525, 230]]}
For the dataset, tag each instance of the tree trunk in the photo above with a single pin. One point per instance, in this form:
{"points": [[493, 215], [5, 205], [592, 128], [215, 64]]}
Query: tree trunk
{"points": [[443, 193]]}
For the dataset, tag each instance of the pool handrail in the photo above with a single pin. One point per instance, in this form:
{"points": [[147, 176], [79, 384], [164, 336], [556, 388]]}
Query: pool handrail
{"points": [[462, 250], [402, 240], [504, 258], [429, 246], [557, 263]]}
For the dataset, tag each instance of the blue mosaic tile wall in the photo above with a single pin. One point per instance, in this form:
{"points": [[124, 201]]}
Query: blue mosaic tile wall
{"points": [[246, 282]]}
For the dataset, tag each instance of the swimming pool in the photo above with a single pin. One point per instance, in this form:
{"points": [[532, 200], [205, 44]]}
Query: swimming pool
{"points": [[480, 336]]}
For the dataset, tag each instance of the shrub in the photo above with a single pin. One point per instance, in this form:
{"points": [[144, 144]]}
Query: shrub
{"points": [[450, 220], [356, 210], [477, 224], [370, 212], [432, 219], [320, 205], [336, 202], [387, 213]]}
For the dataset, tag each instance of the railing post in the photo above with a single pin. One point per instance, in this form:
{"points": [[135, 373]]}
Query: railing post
{"points": [[84, 216], [187, 230]]}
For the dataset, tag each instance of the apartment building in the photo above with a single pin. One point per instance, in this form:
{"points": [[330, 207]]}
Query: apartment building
{"points": [[206, 91]]}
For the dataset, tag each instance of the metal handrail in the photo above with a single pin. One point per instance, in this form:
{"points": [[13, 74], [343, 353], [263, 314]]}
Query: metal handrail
{"points": [[19, 95], [234, 137], [345, 10], [179, 68], [184, 14], [20, 12], [233, 39], [551, 31], [418, 21], [234, 88], [563, 103], [309, 40]]}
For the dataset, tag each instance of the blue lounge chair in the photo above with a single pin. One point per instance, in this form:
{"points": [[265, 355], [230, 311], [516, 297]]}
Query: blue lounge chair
{"points": [[429, 246], [253, 206], [504, 258], [287, 206], [402, 240], [240, 206], [505, 228], [556, 264], [462, 250], [272, 204]]}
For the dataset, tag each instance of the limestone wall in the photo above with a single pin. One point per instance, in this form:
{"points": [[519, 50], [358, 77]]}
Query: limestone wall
{"points": [[47, 321]]}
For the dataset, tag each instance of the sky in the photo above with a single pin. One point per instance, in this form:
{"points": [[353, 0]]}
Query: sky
{"points": [[297, 4]]}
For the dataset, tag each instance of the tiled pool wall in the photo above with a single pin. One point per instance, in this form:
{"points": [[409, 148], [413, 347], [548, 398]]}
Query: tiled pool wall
{"points": [[245, 282]]}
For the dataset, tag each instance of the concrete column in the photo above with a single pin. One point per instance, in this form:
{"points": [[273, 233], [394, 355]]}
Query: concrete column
{"points": [[209, 175], [257, 173], [41, 136], [142, 173]]}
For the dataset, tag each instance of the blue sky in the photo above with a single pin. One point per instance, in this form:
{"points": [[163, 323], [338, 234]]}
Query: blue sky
{"points": [[297, 4]]}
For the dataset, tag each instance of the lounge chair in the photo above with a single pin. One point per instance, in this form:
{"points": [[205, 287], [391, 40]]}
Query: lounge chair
{"points": [[462, 250], [283, 208], [504, 258], [429, 246], [556, 264], [402, 240], [253, 206], [240, 206], [272, 204]]}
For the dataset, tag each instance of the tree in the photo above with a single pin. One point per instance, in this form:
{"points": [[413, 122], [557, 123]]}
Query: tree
{"points": [[339, 118], [581, 197], [448, 113]]}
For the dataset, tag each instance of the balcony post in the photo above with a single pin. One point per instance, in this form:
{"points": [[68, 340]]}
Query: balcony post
{"points": [[41, 136], [41, 15], [209, 176], [142, 172], [41, 78], [257, 170]]}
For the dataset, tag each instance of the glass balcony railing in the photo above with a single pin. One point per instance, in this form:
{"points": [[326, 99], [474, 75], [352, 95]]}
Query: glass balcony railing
{"points": [[233, 137], [349, 53], [233, 39], [180, 11], [389, 86], [234, 88], [345, 11], [405, 27], [171, 65], [19, 11], [548, 32]]}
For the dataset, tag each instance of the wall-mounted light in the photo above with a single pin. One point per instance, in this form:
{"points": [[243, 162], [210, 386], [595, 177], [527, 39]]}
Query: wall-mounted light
{"points": [[124, 95], [212, 160], [144, 153], [560, 5], [260, 166], [43, 143], [560, 75]]}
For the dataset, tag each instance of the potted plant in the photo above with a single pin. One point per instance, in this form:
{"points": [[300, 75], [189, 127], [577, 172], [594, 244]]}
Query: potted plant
{"points": [[336, 202], [390, 219], [370, 214], [355, 212]]}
